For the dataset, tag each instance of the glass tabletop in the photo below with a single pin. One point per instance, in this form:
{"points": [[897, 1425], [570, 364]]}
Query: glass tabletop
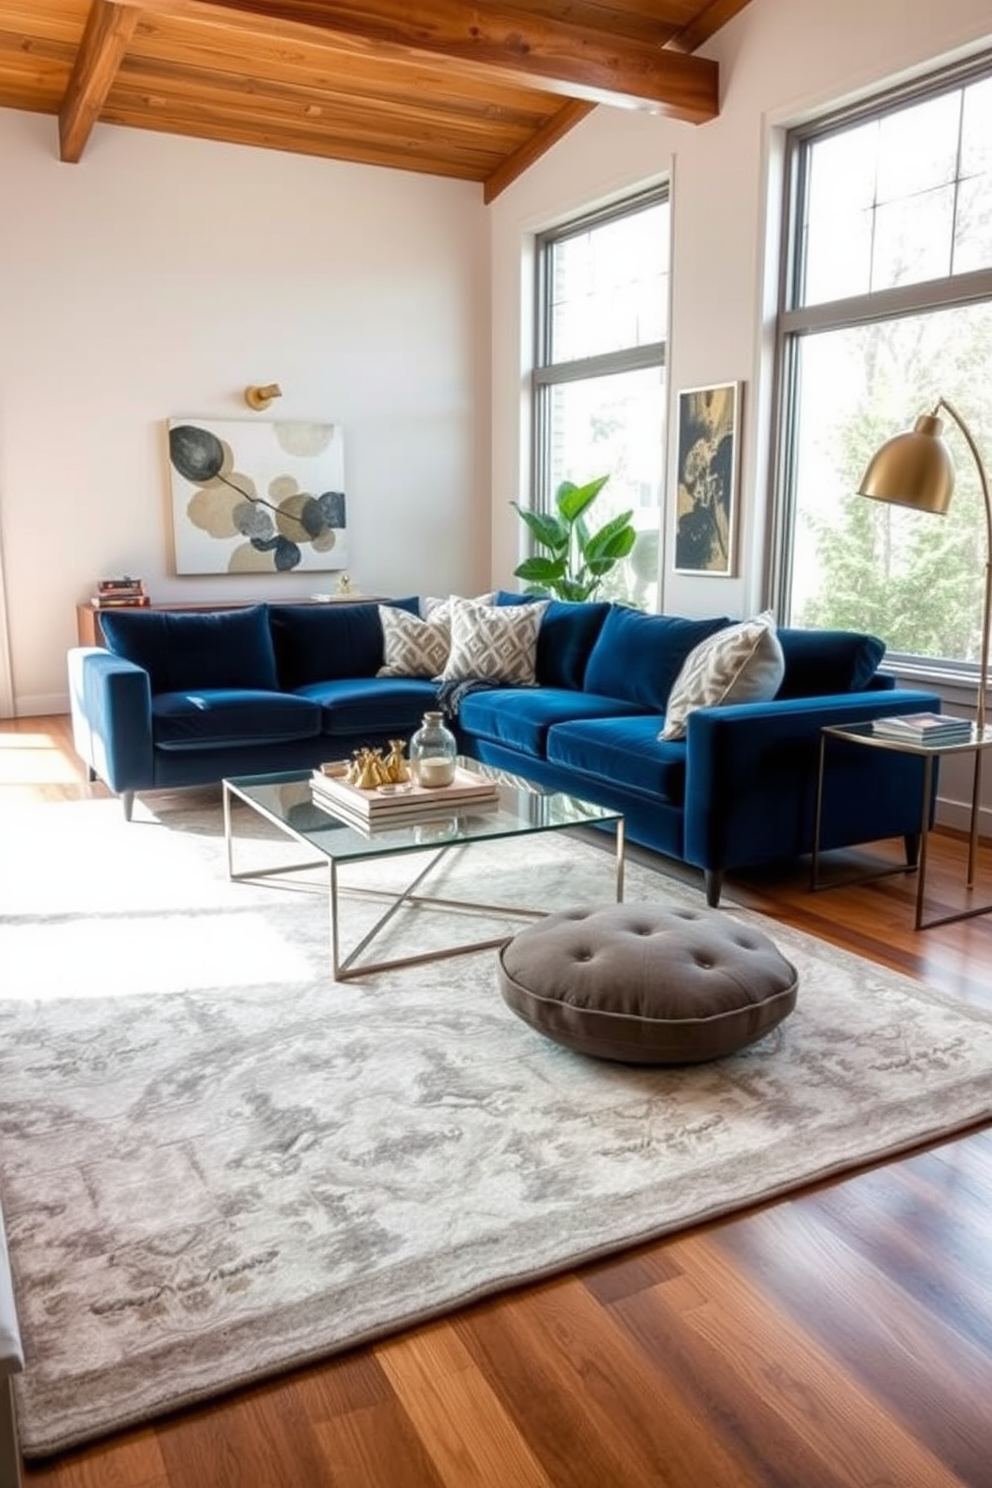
{"points": [[864, 733], [286, 799]]}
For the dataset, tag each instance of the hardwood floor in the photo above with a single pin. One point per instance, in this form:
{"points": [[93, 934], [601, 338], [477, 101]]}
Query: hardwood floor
{"points": [[840, 1337]]}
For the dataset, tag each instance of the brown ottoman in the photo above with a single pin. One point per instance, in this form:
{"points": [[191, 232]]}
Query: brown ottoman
{"points": [[647, 985]]}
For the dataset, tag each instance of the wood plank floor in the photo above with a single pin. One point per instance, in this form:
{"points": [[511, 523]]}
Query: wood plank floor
{"points": [[840, 1337]]}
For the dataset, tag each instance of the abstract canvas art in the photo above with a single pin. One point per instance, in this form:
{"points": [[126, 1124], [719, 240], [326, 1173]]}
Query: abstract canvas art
{"points": [[706, 509], [257, 497]]}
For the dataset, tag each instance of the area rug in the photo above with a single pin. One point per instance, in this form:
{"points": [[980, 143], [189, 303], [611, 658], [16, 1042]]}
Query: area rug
{"points": [[216, 1164]]}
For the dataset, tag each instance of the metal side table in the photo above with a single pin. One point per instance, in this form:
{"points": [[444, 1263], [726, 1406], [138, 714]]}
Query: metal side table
{"points": [[864, 734]]}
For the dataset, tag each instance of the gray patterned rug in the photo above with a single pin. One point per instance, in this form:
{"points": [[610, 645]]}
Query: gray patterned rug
{"points": [[215, 1164]]}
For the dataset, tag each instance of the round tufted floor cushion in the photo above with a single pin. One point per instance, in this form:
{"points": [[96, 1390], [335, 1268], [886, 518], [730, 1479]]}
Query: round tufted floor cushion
{"points": [[647, 985]]}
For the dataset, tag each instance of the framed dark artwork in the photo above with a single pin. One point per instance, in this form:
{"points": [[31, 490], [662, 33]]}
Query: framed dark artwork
{"points": [[706, 474], [257, 497]]}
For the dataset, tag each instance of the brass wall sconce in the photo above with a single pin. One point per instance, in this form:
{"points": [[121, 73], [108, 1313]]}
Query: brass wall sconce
{"points": [[260, 397]]}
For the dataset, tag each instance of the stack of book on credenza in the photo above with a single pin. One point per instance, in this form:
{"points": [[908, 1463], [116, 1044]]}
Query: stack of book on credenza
{"points": [[401, 805], [924, 728], [119, 593]]}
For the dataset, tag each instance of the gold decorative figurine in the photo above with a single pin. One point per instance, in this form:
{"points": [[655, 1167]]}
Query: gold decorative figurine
{"points": [[396, 765]]}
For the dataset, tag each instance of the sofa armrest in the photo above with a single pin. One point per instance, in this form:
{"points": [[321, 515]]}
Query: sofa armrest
{"points": [[751, 774], [111, 704]]}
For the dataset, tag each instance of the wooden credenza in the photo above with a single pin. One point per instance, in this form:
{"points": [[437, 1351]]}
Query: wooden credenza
{"points": [[88, 616]]}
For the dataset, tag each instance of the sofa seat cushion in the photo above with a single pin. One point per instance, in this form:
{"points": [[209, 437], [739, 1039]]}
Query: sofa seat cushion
{"points": [[624, 751], [520, 717], [189, 651], [820, 663], [637, 657], [216, 718], [352, 707], [565, 640]]}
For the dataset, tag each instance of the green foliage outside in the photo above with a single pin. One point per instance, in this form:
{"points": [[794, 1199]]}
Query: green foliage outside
{"points": [[576, 558], [914, 579]]}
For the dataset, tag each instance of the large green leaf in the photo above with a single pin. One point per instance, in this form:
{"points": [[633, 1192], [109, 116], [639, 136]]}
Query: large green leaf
{"points": [[545, 571], [613, 542], [572, 500], [576, 588], [547, 529]]}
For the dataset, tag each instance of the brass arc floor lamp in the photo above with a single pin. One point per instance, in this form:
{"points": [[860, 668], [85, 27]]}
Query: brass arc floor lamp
{"points": [[915, 469]]}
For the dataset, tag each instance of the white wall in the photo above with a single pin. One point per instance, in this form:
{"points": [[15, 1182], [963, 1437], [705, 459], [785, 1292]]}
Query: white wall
{"points": [[161, 276], [779, 60]]}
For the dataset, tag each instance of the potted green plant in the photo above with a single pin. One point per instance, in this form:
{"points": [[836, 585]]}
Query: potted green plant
{"points": [[575, 560]]}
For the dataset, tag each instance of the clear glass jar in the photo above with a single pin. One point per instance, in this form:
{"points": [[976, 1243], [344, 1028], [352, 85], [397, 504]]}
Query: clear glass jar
{"points": [[433, 751]]}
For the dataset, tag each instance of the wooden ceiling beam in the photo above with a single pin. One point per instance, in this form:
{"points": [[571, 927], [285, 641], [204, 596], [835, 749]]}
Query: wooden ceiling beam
{"points": [[706, 24], [572, 112], [109, 28], [542, 52]]}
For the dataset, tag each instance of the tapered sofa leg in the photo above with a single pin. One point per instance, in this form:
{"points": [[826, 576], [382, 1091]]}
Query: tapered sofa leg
{"points": [[714, 883], [127, 801], [912, 841]]}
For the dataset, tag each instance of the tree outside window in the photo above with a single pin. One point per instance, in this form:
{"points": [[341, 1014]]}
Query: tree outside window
{"points": [[887, 307]]}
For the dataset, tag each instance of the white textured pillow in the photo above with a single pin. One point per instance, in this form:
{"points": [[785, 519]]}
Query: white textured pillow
{"points": [[432, 606], [413, 647], [742, 663], [495, 642]]}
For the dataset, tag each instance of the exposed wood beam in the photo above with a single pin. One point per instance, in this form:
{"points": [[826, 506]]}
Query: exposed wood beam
{"points": [[706, 24], [109, 28], [570, 114], [537, 51]]}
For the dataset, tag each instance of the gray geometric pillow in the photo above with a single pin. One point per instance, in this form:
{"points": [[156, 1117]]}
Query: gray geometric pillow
{"points": [[495, 642], [740, 664], [433, 606], [413, 647]]}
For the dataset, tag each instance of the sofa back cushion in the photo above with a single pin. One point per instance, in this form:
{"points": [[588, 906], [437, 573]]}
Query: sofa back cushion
{"points": [[637, 657], [565, 640], [189, 650], [324, 642], [820, 663]]}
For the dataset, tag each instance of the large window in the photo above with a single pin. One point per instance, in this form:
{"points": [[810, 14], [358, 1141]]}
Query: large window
{"points": [[599, 379], [886, 306]]}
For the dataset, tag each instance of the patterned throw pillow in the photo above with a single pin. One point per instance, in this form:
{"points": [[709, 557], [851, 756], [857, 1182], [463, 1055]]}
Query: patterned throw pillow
{"points": [[493, 642], [432, 606], [413, 647], [742, 663]]}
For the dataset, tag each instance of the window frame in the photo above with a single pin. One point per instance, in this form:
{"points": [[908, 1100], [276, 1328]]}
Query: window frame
{"points": [[794, 321], [546, 374]]}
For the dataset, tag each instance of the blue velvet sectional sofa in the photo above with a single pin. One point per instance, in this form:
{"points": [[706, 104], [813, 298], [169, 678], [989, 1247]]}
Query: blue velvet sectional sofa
{"points": [[186, 698]]}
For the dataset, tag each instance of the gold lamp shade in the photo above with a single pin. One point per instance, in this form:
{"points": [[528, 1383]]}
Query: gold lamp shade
{"points": [[913, 469]]}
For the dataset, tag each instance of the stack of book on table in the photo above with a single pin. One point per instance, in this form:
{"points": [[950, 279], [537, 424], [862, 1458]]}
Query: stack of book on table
{"points": [[924, 728], [395, 806], [111, 593]]}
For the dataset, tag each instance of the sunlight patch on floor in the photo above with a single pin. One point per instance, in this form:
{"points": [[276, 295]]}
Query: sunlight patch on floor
{"points": [[33, 759]]}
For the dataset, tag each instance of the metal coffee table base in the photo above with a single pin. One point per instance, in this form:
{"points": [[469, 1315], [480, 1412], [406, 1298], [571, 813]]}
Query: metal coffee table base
{"points": [[346, 967]]}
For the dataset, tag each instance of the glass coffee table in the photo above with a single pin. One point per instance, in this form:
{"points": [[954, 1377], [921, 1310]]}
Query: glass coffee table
{"points": [[522, 809]]}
